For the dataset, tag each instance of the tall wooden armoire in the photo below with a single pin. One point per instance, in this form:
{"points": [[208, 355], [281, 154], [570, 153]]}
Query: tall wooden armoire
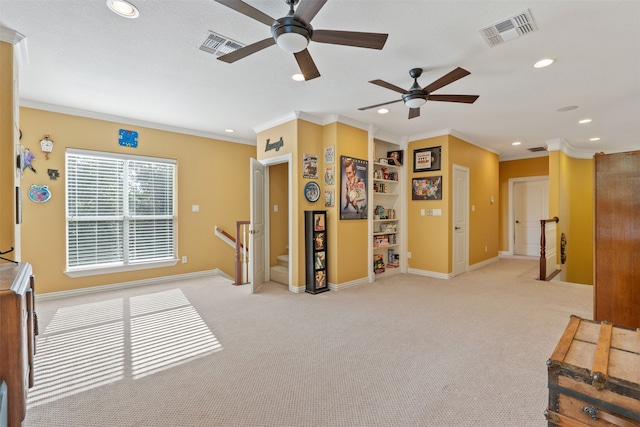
{"points": [[617, 239]]}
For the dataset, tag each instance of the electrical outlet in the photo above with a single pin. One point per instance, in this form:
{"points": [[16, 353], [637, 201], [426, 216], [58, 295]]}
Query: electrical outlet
{"points": [[184, 259], [408, 255]]}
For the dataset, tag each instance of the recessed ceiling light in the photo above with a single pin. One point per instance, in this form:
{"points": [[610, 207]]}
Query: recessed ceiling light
{"points": [[123, 8], [543, 63], [383, 111], [516, 143], [583, 121], [298, 77], [594, 139], [568, 108], [229, 130]]}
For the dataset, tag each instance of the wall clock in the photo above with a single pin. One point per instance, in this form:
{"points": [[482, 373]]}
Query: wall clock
{"points": [[312, 191]]}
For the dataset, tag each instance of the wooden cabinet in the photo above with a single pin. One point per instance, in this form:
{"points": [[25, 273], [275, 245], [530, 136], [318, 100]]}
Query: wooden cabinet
{"points": [[617, 238], [315, 233], [387, 202], [17, 337]]}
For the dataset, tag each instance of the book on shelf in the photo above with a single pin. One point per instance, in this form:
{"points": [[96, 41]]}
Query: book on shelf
{"points": [[378, 263]]}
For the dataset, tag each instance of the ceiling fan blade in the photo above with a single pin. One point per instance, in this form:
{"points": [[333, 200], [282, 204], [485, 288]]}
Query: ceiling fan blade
{"points": [[247, 10], [350, 38], [308, 9], [306, 64], [388, 86], [247, 50], [451, 77], [466, 99], [379, 105], [414, 112]]}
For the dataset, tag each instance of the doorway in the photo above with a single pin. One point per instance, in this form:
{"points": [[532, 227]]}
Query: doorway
{"points": [[275, 203], [528, 204]]}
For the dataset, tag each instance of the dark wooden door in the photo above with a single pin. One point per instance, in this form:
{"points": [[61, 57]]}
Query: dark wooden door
{"points": [[617, 238]]}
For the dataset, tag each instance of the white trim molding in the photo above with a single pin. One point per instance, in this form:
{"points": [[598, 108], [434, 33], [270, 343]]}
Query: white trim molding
{"points": [[19, 41]]}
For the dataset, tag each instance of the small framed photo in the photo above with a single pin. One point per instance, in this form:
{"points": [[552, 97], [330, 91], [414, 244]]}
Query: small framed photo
{"points": [[395, 157], [318, 222], [426, 159], [427, 188]]}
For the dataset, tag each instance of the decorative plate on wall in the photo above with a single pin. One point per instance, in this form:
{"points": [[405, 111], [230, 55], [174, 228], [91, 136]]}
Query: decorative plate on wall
{"points": [[312, 191], [39, 193]]}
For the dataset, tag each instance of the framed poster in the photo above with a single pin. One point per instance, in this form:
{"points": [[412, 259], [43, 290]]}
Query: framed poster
{"points": [[353, 188], [310, 166], [329, 175], [329, 155], [427, 188], [329, 198], [426, 159]]}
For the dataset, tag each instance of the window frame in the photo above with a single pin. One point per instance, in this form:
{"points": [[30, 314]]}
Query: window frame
{"points": [[125, 265]]}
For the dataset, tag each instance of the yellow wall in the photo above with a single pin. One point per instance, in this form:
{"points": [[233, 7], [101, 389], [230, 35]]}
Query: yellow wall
{"points": [[576, 217], [213, 174], [279, 221], [483, 185], [428, 236], [350, 244], [509, 169]]}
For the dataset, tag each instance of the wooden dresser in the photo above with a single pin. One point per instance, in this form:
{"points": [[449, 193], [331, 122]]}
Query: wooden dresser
{"points": [[17, 337]]}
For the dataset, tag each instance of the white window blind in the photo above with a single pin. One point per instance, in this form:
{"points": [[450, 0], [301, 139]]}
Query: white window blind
{"points": [[120, 210]]}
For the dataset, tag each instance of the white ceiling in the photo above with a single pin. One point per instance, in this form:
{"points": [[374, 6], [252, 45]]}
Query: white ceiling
{"points": [[84, 58]]}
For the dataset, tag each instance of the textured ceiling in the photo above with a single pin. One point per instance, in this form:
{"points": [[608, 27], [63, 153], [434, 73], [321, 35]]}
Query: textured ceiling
{"points": [[84, 59]]}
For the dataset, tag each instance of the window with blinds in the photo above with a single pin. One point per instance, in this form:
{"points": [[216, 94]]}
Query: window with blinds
{"points": [[120, 210]]}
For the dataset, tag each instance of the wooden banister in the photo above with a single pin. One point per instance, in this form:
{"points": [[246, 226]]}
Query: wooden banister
{"points": [[241, 249], [543, 246]]}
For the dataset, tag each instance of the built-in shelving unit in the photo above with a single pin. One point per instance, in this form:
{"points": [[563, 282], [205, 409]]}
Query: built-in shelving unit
{"points": [[387, 188]]}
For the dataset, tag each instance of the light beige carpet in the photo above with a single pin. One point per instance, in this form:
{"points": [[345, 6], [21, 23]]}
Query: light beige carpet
{"points": [[404, 351]]}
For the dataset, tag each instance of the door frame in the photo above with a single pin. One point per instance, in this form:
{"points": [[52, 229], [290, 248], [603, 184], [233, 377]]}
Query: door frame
{"points": [[276, 160], [512, 184], [465, 208]]}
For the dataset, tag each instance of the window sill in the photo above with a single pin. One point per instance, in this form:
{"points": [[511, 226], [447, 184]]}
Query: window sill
{"points": [[120, 268]]}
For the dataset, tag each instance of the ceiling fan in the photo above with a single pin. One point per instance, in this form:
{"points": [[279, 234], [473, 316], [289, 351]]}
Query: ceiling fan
{"points": [[416, 97], [293, 32]]}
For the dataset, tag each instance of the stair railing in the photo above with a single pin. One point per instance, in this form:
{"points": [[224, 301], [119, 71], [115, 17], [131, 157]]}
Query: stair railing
{"points": [[241, 244], [543, 248]]}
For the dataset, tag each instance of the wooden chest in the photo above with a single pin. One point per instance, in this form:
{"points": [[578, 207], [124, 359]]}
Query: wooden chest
{"points": [[594, 376]]}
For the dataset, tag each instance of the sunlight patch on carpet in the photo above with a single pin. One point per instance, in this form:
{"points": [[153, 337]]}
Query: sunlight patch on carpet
{"points": [[90, 345]]}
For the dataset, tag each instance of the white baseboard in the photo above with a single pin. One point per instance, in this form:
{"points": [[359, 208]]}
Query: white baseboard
{"points": [[155, 280], [345, 285], [428, 273], [483, 263]]}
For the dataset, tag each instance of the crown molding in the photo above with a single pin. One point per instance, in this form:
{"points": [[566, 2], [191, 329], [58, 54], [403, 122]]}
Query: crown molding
{"points": [[561, 144], [128, 121], [19, 42]]}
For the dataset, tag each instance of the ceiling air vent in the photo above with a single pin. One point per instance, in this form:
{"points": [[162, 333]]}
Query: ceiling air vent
{"points": [[509, 29], [536, 149], [219, 45]]}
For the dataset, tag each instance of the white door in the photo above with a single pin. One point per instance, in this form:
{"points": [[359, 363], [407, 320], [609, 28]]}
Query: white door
{"points": [[531, 204], [256, 229], [460, 219]]}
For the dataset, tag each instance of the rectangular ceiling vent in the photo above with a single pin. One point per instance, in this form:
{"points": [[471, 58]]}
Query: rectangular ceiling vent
{"points": [[219, 45], [509, 29], [536, 149]]}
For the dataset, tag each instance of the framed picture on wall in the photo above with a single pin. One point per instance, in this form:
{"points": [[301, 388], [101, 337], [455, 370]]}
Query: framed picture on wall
{"points": [[426, 159], [353, 188], [427, 188]]}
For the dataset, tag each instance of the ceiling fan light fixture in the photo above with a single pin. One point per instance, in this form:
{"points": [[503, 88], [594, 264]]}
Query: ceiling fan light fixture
{"points": [[123, 8], [414, 101], [290, 35]]}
